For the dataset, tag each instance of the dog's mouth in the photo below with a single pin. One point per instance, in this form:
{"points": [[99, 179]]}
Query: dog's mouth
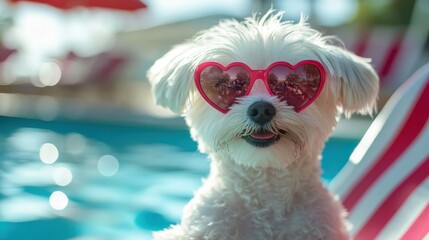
{"points": [[262, 138]]}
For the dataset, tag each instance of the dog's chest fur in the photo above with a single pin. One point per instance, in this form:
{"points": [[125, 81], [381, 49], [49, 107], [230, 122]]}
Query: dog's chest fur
{"points": [[246, 203]]}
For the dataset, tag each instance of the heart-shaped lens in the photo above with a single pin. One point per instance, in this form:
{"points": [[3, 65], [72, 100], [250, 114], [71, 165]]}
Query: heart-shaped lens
{"points": [[220, 87], [297, 85]]}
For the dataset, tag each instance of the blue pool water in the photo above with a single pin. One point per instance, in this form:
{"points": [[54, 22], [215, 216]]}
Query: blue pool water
{"points": [[85, 180]]}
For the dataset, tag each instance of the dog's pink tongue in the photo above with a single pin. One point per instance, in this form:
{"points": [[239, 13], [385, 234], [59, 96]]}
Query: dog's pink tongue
{"points": [[262, 135]]}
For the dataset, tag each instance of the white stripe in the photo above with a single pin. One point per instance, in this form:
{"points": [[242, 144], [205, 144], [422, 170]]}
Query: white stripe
{"points": [[426, 237], [413, 43], [405, 61], [373, 143], [379, 44], [408, 213], [379, 135], [390, 179]]}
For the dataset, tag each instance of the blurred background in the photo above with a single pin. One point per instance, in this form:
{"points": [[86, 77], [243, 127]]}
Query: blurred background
{"points": [[85, 153]]}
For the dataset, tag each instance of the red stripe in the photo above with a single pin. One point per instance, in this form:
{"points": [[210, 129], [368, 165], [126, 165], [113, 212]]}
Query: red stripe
{"points": [[409, 131], [391, 56], [5, 53], [420, 226], [393, 202]]}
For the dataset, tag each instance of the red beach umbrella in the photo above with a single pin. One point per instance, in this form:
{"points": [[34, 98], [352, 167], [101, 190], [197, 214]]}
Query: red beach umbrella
{"points": [[126, 5]]}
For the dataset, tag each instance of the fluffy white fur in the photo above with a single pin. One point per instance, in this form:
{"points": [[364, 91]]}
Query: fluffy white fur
{"points": [[263, 193]]}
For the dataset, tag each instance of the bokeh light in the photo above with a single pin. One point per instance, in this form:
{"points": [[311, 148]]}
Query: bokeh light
{"points": [[108, 165], [48, 153], [62, 176], [334, 13], [58, 200], [75, 143], [49, 74]]}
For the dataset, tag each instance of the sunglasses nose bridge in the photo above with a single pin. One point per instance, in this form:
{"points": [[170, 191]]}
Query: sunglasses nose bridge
{"points": [[258, 74], [259, 87]]}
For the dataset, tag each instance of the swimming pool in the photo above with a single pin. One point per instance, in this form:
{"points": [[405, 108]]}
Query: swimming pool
{"points": [[89, 180]]}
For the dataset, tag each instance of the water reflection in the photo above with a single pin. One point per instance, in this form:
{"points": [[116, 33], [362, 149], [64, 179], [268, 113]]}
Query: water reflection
{"points": [[48, 153], [108, 165], [58, 200], [90, 184], [75, 143], [62, 176]]}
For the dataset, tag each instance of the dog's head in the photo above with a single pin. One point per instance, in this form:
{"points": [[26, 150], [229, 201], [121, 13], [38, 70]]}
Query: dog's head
{"points": [[263, 92]]}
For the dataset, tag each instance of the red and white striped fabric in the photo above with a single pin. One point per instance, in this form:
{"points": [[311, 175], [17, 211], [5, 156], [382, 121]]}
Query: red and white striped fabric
{"points": [[395, 52], [385, 184]]}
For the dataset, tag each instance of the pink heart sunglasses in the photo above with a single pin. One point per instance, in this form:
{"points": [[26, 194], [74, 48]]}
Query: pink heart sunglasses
{"points": [[298, 85]]}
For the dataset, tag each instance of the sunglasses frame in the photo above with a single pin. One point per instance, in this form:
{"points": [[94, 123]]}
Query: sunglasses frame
{"points": [[258, 74]]}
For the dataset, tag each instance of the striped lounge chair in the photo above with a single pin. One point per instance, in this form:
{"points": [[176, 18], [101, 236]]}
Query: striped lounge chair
{"points": [[385, 184]]}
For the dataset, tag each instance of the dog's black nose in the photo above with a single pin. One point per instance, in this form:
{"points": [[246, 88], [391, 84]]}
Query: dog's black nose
{"points": [[261, 112]]}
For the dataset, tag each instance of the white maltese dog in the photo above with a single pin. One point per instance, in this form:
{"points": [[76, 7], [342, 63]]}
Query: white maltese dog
{"points": [[261, 97]]}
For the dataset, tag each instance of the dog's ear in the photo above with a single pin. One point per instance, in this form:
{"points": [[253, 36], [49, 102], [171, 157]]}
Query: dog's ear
{"points": [[171, 77], [356, 82]]}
